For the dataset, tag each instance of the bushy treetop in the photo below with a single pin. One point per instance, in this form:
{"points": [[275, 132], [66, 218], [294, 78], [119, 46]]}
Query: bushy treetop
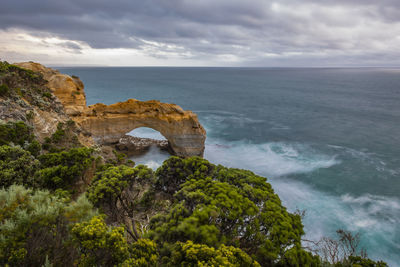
{"points": [[216, 205]]}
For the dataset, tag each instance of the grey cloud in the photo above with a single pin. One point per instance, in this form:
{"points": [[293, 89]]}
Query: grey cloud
{"points": [[206, 28]]}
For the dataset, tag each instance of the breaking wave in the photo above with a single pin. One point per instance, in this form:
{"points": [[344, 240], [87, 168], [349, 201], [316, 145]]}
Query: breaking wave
{"points": [[270, 159]]}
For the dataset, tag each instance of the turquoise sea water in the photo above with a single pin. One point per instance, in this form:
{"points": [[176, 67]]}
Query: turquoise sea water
{"points": [[328, 140]]}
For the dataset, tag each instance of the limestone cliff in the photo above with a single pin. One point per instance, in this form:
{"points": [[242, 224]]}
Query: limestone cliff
{"points": [[181, 128], [69, 90], [26, 97], [109, 123]]}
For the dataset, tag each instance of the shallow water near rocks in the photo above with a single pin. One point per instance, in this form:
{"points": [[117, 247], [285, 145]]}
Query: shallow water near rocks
{"points": [[327, 139]]}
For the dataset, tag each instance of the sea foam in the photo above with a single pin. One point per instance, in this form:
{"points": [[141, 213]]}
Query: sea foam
{"points": [[270, 159]]}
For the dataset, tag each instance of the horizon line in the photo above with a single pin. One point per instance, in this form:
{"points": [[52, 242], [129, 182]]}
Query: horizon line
{"points": [[243, 67]]}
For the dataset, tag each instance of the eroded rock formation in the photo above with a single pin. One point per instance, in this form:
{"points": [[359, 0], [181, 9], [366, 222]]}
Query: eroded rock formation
{"points": [[109, 123], [69, 90]]}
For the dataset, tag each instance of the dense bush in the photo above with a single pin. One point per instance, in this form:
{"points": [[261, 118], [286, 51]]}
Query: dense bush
{"points": [[63, 169], [4, 89], [17, 166], [143, 254], [190, 254], [117, 190], [17, 133], [175, 171], [217, 205], [100, 244], [35, 225]]}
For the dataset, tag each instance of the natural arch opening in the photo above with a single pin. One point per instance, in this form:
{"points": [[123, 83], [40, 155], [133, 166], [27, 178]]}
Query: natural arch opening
{"points": [[146, 132], [108, 124], [141, 140]]}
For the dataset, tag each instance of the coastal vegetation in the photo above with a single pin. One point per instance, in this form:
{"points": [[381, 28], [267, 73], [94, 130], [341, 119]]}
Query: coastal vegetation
{"points": [[64, 204]]}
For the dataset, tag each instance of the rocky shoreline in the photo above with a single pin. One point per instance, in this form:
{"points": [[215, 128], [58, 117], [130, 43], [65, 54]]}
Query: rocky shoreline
{"points": [[133, 146]]}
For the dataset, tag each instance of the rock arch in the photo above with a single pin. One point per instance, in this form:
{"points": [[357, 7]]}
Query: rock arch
{"points": [[108, 123]]}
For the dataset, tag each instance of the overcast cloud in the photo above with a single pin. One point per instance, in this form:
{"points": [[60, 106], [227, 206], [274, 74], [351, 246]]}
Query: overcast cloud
{"points": [[202, 32]]}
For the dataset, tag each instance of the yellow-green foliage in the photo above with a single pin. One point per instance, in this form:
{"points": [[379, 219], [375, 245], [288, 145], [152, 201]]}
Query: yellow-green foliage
{"points": [[118, 192], [190, 254], [100, 244], [34, 224], [108, 185], [143, 254], [218, 205]]}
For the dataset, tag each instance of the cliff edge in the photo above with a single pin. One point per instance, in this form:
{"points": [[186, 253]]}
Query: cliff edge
{"points": [[109, 123]]}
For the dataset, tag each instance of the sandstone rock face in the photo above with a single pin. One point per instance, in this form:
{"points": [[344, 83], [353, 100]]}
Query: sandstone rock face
{"points": [[69, 90], [109, 123], [181, 128], [29, 100]]}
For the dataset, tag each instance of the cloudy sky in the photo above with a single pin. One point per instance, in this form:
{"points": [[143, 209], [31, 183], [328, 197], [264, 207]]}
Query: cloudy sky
{"points": [[282, 33]]}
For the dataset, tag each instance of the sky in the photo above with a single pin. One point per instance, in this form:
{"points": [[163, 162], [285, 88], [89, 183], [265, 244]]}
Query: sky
{"points": [[250, 33]]}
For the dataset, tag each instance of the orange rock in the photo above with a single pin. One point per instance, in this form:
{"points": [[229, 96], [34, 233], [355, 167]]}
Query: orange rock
{"points": [[69, 90], [108, 123]]}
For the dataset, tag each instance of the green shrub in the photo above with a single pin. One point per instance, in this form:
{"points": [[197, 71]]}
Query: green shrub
{"points": [[4, 66], [35, 225], [29, 115], [17, 133], [70, 123], [175, 171], [121, 157], [59, 133], [47, 94], [143, 254], [34, 147], [17, 166], [101, 245], [190, 254], [63, 169], [118, 191], [4, 90], [218, 205]]}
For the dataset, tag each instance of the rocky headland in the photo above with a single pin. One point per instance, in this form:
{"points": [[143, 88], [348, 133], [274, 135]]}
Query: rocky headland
{"points": [[108, 124]]}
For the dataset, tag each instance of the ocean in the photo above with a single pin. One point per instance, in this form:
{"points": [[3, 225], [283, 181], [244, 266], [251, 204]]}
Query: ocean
{"points": [[327, 139]]}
